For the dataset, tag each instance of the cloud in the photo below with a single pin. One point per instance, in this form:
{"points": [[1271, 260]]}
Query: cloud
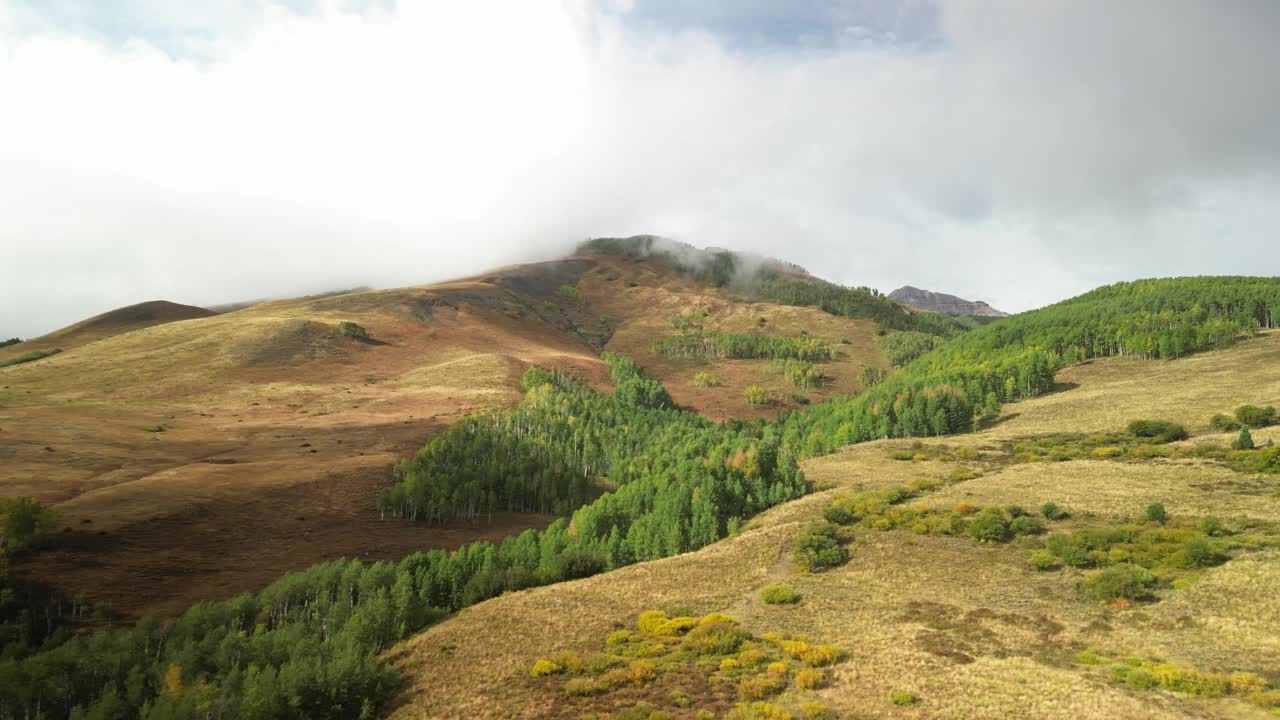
{"points": [[1015, 152]]}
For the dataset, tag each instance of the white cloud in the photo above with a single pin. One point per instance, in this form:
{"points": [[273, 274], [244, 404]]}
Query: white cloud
{"points": [[1041, 149]]}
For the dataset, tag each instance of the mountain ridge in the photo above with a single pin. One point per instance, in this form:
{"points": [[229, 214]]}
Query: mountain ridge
{"points": [[943, 303]]}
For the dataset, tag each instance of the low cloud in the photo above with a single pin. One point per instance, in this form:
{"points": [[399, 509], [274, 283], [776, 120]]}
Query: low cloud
{"points": [[1026, 152]]}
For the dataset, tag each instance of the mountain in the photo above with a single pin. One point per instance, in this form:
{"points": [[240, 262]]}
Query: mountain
{"points": [[647, 480], [113, 322], [942, 303]]}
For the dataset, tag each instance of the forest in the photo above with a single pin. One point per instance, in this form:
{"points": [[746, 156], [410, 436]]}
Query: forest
{"points": [[970, 376]]}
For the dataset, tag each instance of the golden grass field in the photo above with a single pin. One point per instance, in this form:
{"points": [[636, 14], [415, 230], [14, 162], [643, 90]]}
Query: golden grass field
{"points": [[971, 630], [195, 456]]}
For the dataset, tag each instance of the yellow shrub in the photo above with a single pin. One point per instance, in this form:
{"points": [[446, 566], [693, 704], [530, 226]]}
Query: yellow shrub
{"points": [[1245, 683], [795, 648], [544, 667], [728, 664], [758, 688], [758, 711], [777, 669], [1107, 452], [817, 711], [810, 679], [569, 662], [822, 655], [752, 656], [676, 626], [773, 638], [651, 649], [641, 672], [650, 620], [715, 619], [619, 637], [1189, 681]]}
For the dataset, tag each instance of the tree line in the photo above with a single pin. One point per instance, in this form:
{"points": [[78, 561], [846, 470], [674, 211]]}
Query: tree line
{"points": [[717, 346], [944, 390]]}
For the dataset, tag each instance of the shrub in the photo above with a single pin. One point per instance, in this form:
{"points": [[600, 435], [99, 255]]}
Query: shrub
{"points": [[1043, 560], [1161, 431], [820, 548], [1211, 526], [1026, 525], [599, 663], [1089, 657], [780, 595], [761, 687], [1198, 552], [1256, 417], [714, 638], [810, 679], [903, 698], [676, 626], [1051, 511], [822, 655], [816, 711], [705, 379], [838, 515], [757, 396], [1125, 581], [618, 637], [355, 331], [1189, 681], [1224, 423], [989, 526], [679, 698], [758, 711], [1244, 441], [1156, 513], [583, 687], [1139, 679], [545, 667], [650, 620]]}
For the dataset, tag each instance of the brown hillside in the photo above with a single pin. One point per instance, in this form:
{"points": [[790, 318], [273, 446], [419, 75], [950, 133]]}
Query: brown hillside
{"points": [[114, 322], [197, 459]]}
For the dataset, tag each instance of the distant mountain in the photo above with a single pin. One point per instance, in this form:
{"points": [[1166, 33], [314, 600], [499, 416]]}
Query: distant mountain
{"points": [[942, 303]]}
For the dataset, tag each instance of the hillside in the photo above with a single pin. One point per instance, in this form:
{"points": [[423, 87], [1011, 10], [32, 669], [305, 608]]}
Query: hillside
{"points": [[971, 631], [942, 303], [114, 322], [790, 573], [205, 429]]}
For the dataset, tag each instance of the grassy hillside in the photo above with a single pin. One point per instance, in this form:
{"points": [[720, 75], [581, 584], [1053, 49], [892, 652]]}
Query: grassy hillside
{"points": [[1012, 594], [114, 322], [968, 629]]}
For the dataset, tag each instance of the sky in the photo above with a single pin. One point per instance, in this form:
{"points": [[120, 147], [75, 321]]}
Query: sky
{"points": [[1009, 151]]}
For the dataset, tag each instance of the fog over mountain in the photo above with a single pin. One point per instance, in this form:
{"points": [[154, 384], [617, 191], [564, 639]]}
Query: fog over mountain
{"points": [[1019, 152]]}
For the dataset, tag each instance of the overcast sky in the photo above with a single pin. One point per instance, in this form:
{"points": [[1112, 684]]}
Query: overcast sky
{"points": [[1011, 151]]}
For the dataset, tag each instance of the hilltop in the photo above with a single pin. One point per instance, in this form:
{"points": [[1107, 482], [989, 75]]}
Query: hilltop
{"points": [[943, 303]]}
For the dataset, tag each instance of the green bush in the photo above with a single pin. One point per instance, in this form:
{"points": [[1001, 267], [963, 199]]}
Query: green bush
{"points": [[1161, 431], [989, 526], [1125, 581], [780, 595], [1139, 679], [1156, 513], [355, 331], [1224, 423], [1026, 525], [1051, 511], [1256, 417], [820, 548], [1200, 552], [1211, 526], [1043, 560], [838, 515], [903, 698], [1244, 441]]}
